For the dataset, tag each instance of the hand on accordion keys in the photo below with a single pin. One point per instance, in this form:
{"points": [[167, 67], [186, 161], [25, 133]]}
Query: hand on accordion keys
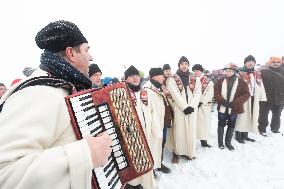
{"points": [[100, 148]]}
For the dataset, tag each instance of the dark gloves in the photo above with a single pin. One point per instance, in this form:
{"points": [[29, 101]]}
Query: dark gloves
{"points": [[200, 104], [188, 110], [226, 103]]}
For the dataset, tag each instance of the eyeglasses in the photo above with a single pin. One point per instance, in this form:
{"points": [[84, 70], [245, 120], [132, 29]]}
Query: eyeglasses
{"points": [[276, 62]]}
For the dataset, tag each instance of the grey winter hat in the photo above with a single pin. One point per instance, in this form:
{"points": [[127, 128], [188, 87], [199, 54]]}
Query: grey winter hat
{"points": [[28, 71], [59, 35]]}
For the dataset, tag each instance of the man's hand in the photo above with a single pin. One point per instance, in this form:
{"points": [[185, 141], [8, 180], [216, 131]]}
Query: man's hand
{"points": [[100, 148], [188, 110]]}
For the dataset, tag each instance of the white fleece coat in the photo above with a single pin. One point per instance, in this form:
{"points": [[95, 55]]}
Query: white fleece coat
{"points": [[184, 125]]}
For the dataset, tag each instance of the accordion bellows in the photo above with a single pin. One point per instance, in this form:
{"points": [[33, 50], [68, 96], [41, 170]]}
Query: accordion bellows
{"points": [[111, 109]]}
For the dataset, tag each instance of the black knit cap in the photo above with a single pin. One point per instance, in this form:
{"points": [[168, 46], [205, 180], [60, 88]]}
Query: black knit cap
{"points": [[94, 68], [59, 35], [182, 59], [249, 58], [197, 67], [131, 71], [155, 71], [166, 67]]}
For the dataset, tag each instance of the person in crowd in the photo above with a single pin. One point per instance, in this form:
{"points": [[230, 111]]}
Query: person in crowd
{"points": [[186, 99], [273, 79], [248, 121], [38, 147], [3, 89], [95, 75], [140, 99], [230, 93], [157, 100], [204, 106]]}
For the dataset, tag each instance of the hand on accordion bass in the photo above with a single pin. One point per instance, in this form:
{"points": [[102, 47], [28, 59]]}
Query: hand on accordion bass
{"points": [[100, 148]]}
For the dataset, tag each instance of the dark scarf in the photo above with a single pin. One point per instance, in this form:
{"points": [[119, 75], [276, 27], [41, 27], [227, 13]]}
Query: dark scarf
{"points": [[133, 87], [156, 84], [230, 83], [60, 68], [184, 76], [245, 69]]}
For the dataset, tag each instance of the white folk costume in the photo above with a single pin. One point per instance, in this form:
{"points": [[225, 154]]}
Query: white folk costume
{"points": [[204, 111], [184, 125], [248, 121], [157, 112]]}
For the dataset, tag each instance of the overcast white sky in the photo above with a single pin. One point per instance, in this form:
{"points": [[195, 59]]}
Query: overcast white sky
{"points": [[146, 33]]}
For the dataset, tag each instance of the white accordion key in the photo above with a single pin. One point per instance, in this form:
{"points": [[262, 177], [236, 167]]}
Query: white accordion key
{"points": [[105, 114], [109, 125], [106, 120], [103, 108], [122, 165], [120, 159], [114, 142]]}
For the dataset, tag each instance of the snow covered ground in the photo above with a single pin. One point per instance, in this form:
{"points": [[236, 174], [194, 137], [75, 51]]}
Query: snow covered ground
{"points": [[256, 165]]}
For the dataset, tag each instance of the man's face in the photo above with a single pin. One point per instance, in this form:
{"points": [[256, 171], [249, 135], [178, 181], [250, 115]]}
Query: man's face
{"points": [[159, 78], [197, 73], [134, 80], [250, 64], [184, 66], [275, 64], [96, 78], [2, 90], [82, 58], [167, 73], [229, 72]]}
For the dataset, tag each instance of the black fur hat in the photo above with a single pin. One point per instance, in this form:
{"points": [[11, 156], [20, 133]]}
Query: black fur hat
{"points": [[130, 71], [155, 71], [94, 68], [197, 67], [182, 59], [166, 67], [249, 58], [59, 35]]}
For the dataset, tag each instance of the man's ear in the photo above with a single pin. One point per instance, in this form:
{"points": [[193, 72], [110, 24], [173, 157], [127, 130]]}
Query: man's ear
{"points": [[69, 52]]}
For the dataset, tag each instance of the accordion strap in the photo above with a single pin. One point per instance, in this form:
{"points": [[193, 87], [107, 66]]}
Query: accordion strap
{"points": [[45, 81]]}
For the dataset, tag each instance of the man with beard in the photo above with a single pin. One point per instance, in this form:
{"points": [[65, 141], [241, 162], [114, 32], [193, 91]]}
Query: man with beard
{"points": [[38, 145], [186, 100], [248, 121], [204, 107], [273, 79], [230, 93], [140, 99]]}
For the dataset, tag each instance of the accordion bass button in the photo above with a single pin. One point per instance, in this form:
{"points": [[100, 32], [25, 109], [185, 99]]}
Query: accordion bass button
{"points": [[129, 129]]}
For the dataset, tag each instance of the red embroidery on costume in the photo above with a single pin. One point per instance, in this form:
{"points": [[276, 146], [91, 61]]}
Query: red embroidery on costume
{"points": [[178, 82], [204, 82], [246, 77], [144, 96]]}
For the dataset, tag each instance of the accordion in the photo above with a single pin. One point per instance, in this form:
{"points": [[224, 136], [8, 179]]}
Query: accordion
{"points": [[111, 109]]}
